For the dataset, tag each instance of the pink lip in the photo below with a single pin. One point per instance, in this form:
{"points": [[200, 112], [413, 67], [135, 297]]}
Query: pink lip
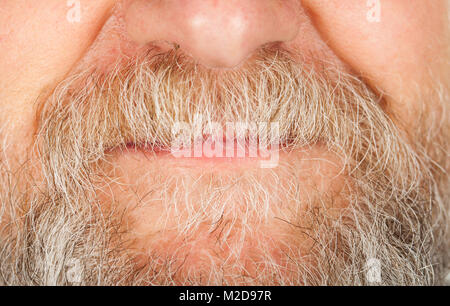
{"points": [[207, 148]]}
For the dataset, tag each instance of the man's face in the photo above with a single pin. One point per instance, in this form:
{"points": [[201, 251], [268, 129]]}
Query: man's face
{"points": [[240, 142]]}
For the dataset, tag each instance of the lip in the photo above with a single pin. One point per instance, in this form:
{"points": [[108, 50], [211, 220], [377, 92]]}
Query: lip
{"points": [[212, 151]]}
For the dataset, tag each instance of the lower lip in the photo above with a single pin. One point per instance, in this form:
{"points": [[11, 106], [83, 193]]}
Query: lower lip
{"points": [[208, 151]]}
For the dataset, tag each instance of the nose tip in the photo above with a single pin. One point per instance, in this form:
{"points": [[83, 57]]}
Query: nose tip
{"points": [[216, 33]]}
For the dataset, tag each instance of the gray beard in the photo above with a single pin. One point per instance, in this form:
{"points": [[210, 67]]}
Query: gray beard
{"points": [[54, 231]]}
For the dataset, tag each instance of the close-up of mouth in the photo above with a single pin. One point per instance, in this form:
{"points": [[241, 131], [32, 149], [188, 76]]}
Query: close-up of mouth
{"points": [[212, 148], [224, 143]]}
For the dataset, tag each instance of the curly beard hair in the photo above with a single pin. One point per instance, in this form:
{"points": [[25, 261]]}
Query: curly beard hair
{"points": [[56, 231]]}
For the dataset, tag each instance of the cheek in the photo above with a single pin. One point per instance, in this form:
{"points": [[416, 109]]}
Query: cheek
{"points": [[393, 54], [38, 47], [42, 39]]}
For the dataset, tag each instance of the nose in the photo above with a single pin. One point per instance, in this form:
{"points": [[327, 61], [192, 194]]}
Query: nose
{"points": [[216, 33]]}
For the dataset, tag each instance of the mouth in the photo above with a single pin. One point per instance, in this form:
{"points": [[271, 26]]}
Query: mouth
{"points": [[208, 149]]}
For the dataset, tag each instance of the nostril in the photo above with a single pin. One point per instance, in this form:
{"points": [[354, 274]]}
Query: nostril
{"points": [[215, 33]]}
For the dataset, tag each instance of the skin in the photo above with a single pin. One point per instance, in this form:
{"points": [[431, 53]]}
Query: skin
{"points": [[393, 55], [39, 47]]}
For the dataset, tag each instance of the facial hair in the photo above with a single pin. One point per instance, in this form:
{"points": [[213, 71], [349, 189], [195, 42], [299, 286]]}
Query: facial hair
{"points": [[55, 230]]}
